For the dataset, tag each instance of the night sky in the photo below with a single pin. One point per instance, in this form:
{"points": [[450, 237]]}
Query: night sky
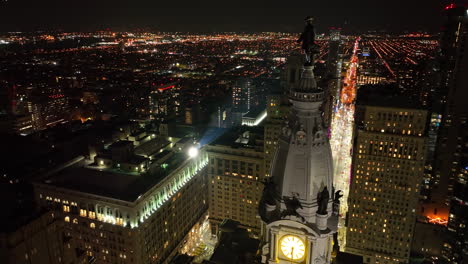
{"points": [[221, 15]]}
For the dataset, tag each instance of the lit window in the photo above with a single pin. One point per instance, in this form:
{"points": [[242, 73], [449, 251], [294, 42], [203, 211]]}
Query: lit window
{"points": [[92, 225], [92, 215], [83, 212]]}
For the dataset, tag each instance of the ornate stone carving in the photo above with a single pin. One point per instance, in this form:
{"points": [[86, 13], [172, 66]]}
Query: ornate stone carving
{"points": [[301, 137], [286, 130], [320, 260]]}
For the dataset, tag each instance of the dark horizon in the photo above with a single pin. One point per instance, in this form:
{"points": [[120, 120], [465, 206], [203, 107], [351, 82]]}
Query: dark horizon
{"points": [[394, 16]]}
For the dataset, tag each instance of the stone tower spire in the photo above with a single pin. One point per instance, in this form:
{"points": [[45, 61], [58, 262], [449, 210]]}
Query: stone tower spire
{"points": [[297, 204]]}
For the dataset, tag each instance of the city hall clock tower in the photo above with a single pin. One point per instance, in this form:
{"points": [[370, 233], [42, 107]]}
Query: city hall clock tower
{"points": [[297, 206]]}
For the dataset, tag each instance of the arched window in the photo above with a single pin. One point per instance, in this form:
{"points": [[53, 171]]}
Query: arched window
{"points": [[75, 221], [67, 219], [92, 225]]}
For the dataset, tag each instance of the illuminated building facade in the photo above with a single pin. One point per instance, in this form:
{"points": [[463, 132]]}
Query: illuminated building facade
{"points": [[387, 171], [278, 108], [368, 79], [297, 208], [164, 101], [192, 114], [49, 108], [222, 117], [235, 175], [117, 216], [243, 95], [254, 118]]}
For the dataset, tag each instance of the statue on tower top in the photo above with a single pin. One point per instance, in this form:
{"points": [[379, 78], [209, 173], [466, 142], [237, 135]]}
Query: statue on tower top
{"points": [[308, 40]]}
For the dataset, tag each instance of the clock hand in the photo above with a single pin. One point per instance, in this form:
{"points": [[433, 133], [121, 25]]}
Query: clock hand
{"points": [[292, 253]]}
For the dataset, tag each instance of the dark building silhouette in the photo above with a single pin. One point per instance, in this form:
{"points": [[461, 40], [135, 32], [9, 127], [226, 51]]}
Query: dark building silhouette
{"points": [[333, 73], [450, 194], [234, 246]]}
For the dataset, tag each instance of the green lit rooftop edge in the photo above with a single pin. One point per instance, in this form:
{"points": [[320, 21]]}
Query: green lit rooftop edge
{"points": [[154, 198]]}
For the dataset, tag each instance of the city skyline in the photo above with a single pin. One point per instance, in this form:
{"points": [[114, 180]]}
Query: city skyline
{"points": [[341, 145]]}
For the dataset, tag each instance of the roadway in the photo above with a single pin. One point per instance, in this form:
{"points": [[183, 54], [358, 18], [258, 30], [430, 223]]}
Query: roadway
{"points": [[342, 138]]}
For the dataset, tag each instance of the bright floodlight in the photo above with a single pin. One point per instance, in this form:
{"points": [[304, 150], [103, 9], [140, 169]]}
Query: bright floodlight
{"points": [[193, 152]]}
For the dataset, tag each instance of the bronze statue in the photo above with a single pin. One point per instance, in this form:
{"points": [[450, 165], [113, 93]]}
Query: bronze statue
{"points": [[322, 201], [270, 195], [292, 204], [338, 195], [308, 40], [336, 201]]}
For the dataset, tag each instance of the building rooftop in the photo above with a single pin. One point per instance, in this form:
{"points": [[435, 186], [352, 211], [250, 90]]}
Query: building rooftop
{"points": [[137, 159], [121, 143], [114, 183], [182, 259], [247, 140], [385, 96], [152, 146], [234, 246], [253, 113], [185, 140], [345, 258]]}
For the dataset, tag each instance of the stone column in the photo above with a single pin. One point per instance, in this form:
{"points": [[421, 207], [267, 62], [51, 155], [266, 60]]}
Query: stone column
{"points": [[321, 221], [274, 244], [310, 246], [329, 248]]}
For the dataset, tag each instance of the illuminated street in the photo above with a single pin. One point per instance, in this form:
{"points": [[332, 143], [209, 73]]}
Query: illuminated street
{"points": [[341, 138], [199, 242]]}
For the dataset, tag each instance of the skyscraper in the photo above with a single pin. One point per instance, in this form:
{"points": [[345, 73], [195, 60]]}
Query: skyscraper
{"points": [[243, 93], [49, 107], [297, 206], [334, 63], [164, 101], [277, 110], [387, 170], [235, 173], [451, 167], [333, 59]]}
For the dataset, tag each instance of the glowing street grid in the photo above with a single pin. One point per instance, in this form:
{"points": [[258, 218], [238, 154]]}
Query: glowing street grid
{"points": [[341, 139]]}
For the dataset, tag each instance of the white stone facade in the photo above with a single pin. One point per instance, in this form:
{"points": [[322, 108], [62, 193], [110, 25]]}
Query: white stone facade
{"points": [[300, 172]]}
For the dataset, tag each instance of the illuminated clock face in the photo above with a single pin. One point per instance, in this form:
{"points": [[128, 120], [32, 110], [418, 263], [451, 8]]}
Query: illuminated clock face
{"points": [[292, 247]]}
